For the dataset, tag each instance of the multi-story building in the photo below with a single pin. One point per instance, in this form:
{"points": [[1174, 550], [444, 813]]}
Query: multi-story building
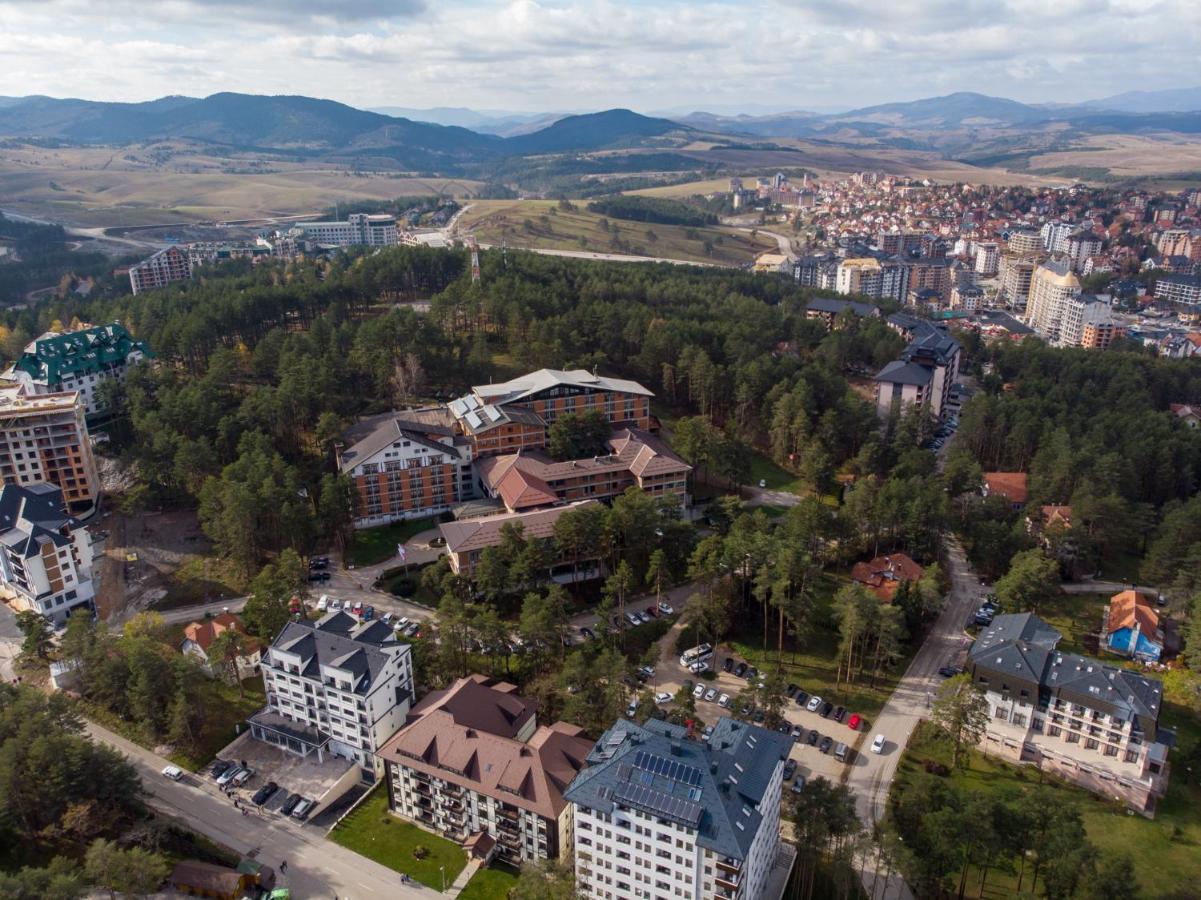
{"points": [[406, 464], [203, 253], [828, 309], [161, 269], [1094, 326], [1055, 235], [45, 554], [1092, 724], [44, 438], [816, 271], [988, 259], [1017, 274], [467, 539], [79, 361], [336, 686], [658, 815], [1024, 242], [932, 274], [859, 275], [472, 763], [635, 459], [1174, 242], [1080, 248], [1182, 290], [1052, 288], [924, 375], [360, 229]]}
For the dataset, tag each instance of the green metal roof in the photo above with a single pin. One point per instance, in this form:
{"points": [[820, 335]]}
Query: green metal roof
{"points": [[94, 349]]}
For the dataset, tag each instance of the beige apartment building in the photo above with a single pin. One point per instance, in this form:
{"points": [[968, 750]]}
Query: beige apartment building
{"points": [[44, 438]]}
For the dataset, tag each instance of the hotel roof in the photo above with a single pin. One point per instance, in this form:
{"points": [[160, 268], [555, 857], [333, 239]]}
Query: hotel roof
{"points": [[527, 385], [466, 535]]}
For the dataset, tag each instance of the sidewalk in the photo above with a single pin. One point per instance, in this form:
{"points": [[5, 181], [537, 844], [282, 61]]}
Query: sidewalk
{"points": [[469, 870]]}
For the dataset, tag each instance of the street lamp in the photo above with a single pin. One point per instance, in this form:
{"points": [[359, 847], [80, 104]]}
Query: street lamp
{"points": [[442, 869]]}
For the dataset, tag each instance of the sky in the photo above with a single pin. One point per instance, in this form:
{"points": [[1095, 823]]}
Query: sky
{"points": [[543, 55]]}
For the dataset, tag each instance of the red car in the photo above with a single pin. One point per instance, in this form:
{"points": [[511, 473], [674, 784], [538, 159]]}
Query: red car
{"points": [[853, 722]]}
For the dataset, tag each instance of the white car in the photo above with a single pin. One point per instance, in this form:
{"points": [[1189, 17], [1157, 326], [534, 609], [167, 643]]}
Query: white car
{"points": [[711, 694], [762, 482], [632, 708], [699, 666], [724, 701], [878, 744], [698, 691], [662, 697], [633, 619], [386, 618], [814, 704], [335, 605], [173, 772], [665, 608], [323, 603]]}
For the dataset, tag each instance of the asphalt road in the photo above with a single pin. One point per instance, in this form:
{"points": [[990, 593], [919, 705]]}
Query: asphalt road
{"points": [[317, 867]]}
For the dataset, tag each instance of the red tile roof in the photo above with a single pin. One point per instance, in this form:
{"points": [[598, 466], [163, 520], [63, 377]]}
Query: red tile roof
{"points": [[1010, 485], [204, 633], [1129, 607], [884, 574]]}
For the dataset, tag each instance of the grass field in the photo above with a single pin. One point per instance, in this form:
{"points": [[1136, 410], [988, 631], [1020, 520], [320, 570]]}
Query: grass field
{"points": [[540, 224], [492, 883], [775, 478], [376, 545], [1128, 156], [1164, 850], [372, 831]]}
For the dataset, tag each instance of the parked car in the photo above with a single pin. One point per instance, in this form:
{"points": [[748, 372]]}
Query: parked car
{"points": [[698, 691], [711, 695], [707, 733], [301, 812], [323, 603], [699, 666], [878, 744], [651, 612], [948, 671], [662, 697], [740, 670], [854, 721], [826, 709], [243, 776], [220, 767], [632, 708], [797, 732], [728, 665], [840, 713], [414, 629], [841, 751], [642, 617], [791, 691], [665, 608], [357, 608], [789, 769], [752, 674], [175, 773], [335, 605], [317, 563], [783, 728], [647, 672], [228, 775], [263, 794], [811, 737], [798, 786], [801, 698], [633, 619], [825, 744], [368, 613], [724, 701], [290, 804], [386, 618], [814, 704], [588, 633]]}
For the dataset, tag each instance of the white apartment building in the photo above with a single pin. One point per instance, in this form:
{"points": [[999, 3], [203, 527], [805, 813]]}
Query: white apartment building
{"points": [[988, 258], [1054, 236], [859, 276], [1023, 242], [359, 229], [161, 269], [44, 438], [473, 764], [661, 817], [45, 554], [1052, 287], [1080, 248], [1092, 724], [335, 686]]}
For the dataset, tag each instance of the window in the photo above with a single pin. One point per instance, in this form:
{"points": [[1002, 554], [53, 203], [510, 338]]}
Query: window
{"points": [[1018, 719], [1131, 756], [1054, 731]]}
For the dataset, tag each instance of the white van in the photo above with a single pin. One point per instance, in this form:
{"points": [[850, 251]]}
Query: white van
{"points": [[323, 603]]}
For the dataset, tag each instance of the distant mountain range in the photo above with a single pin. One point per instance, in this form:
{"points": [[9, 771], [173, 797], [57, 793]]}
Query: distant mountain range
{"points": [[1174, 100]]}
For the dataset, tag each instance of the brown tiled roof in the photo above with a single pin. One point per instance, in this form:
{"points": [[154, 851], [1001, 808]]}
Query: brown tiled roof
{"points": [[885, 573], [212, 879], [1057, 514], [475, 534], [1010, 485], [447, 737], [1129, 607], [204, 633]]}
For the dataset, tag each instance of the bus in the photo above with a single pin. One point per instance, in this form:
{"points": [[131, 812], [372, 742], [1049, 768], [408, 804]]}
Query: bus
{"points": [[703, 653]]}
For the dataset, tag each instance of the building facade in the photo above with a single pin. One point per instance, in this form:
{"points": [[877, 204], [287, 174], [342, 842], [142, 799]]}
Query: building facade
{"points": [[161, 269], [1052, 289], [45, 554], [467, 539], [473, 764], [80, 361], [924, 375], [359, 230], [44, 438], [1094, 725], [336, 686], [660, 817]]}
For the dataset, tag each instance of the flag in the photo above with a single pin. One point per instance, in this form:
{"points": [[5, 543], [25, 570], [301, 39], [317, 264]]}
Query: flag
{"points": [[400, 551]]}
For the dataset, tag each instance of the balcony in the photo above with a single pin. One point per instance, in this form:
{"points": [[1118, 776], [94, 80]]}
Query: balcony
{"points": [[729, 865], [729, 883]]}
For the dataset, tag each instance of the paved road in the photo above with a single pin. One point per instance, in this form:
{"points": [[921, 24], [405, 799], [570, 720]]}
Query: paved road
{"points": [[757, 496], [1105, 587], [871, 775], [317, 867]]}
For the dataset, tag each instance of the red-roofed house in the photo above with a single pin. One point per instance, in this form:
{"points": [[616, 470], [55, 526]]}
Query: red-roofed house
{"points": [[1133, 627], [1188, 413], [884, 574], [1010, 485], [199, 637]]}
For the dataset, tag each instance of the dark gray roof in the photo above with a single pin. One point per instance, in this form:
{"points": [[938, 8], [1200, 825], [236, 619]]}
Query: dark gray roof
{"points": [[901, 372], [831, 305], [714, 787], [31, 515], [391, 429], [339, 640], [1021, 646], [931, 343]]}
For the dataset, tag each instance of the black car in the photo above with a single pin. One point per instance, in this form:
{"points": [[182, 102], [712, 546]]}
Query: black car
{"points": [[825, 745], [588, 633], [811, 737], [316, 564], [783, 728], [948, 671], [752, 673], [220, 767], [840, 713], [290, 804], [826, 709], [759, 716], [740, 670], [263, 794], [801, 698], [789, 769], [797, 732], [791, 691], [728, 665]]}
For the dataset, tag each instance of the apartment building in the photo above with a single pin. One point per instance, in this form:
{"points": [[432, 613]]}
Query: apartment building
{"points": [[163, 268], [82, 361], [336, 686], [467, 539], [635, 459], [406, 464], [1052, 287], [1092, 724], [987, 259], [930, 274], [44, 438], [1017, 274], [1024, 242], [1055, 235], [1080, 248], [1182, 290], [45, 554], [859, 275], [473, 764], [660, 817], [359, 230], [1098, 327], [925, 373], [828, 309]]}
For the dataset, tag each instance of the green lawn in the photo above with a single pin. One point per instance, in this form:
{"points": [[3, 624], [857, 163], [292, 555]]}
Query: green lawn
{"points": [[492, 883], [406, 583], [376, 545], [776, 479], [1078, 618], [372, 831], [1163, 848]]}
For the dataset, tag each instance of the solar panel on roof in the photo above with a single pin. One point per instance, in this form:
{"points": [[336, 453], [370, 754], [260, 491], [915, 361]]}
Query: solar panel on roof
{"points": [[649, 800], [493, 413], [458, 407], [473, 420]]}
